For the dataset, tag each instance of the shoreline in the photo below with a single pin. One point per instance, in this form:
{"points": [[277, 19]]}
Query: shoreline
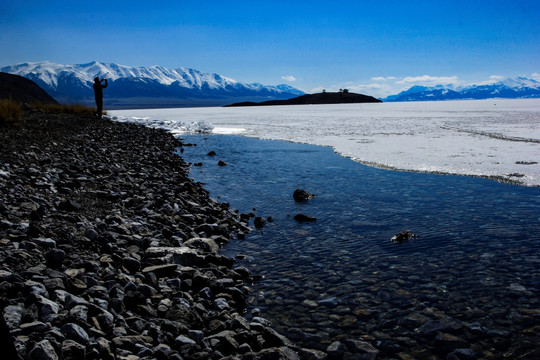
{"points": [[109, 250]]}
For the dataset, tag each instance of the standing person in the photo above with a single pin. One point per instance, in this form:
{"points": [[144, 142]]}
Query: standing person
{"points": [[98, 93]]}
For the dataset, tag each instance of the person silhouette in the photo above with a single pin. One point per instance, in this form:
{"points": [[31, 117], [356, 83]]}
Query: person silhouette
{"points": [[98, 94]]}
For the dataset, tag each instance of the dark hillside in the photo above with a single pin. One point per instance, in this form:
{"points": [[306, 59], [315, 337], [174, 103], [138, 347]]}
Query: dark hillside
{"points": [[22, 90], [342, 97]]}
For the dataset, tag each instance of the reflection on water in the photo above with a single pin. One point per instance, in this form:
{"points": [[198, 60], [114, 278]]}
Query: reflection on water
{"points": [[476, 259]]}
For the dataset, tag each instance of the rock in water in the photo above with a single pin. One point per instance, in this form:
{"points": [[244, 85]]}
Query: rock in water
{"points": [[259, 222], [302, 195], [403, 236], [303, 217]]}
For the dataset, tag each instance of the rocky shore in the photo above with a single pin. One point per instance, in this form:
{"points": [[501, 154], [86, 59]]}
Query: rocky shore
{"points": [[108, 250]]}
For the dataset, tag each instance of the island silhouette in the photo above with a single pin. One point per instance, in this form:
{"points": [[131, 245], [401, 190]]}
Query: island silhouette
{"points": [[341, 97]]}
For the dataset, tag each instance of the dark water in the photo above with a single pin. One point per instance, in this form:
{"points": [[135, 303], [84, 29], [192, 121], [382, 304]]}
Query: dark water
{"points": [[476, 258]]}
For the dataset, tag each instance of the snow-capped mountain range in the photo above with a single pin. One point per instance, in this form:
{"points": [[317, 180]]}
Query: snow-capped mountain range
{"points": [[157, 86], [510, 88], [144, 86]]}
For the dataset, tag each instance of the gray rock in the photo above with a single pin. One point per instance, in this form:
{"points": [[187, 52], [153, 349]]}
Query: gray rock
{"points": [[447, 324], [45, 242], [72, 350], [176, 255], [48, 310], [403, 236], [131, 265], [129, 341], [282, 353], [147, 290], [79, 313], [461, 354], [361, 347], [75, 332], [143, 351], [304, 218], [54, 284], [205, 244], [33, 327], [259, 222], [302, 195], [245, 349], [36, 288], [476, 328], [206, 293], [55, 258], [196, 335], [335, 349], [104, 347], [225, 283], [43, 351], [13, 316], [221, 304], [240, 323], [91, 234], [311, 354], [330, 302], [224, 341], [162, 351], [182, 340], [161, 270], [70, 300], [105, 318]]}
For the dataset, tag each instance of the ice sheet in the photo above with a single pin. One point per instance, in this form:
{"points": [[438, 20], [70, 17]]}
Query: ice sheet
{"points": [[498, 138]]}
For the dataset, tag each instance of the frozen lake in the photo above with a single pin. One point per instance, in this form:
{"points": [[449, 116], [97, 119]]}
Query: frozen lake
{"points": [[492, 138]]}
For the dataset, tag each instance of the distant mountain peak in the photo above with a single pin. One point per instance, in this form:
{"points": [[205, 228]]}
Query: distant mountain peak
{"points": [[512, 88], [144, 86]]}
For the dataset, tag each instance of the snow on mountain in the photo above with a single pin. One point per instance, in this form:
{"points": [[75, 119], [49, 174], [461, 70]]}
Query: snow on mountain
{"points": [[144, 86], [512, 88]]}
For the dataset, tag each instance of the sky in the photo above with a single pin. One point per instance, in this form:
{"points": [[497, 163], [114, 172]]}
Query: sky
{"points": [[373, 47]]}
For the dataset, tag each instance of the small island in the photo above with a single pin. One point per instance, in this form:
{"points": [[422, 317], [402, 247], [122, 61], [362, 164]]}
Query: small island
{"points": [[341, 97]]}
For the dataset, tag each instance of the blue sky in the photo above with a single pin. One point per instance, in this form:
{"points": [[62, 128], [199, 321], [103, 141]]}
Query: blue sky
{"points": [[374, 47]]}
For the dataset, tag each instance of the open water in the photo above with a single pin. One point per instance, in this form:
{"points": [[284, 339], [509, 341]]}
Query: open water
{"points": [[476, 258]]}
